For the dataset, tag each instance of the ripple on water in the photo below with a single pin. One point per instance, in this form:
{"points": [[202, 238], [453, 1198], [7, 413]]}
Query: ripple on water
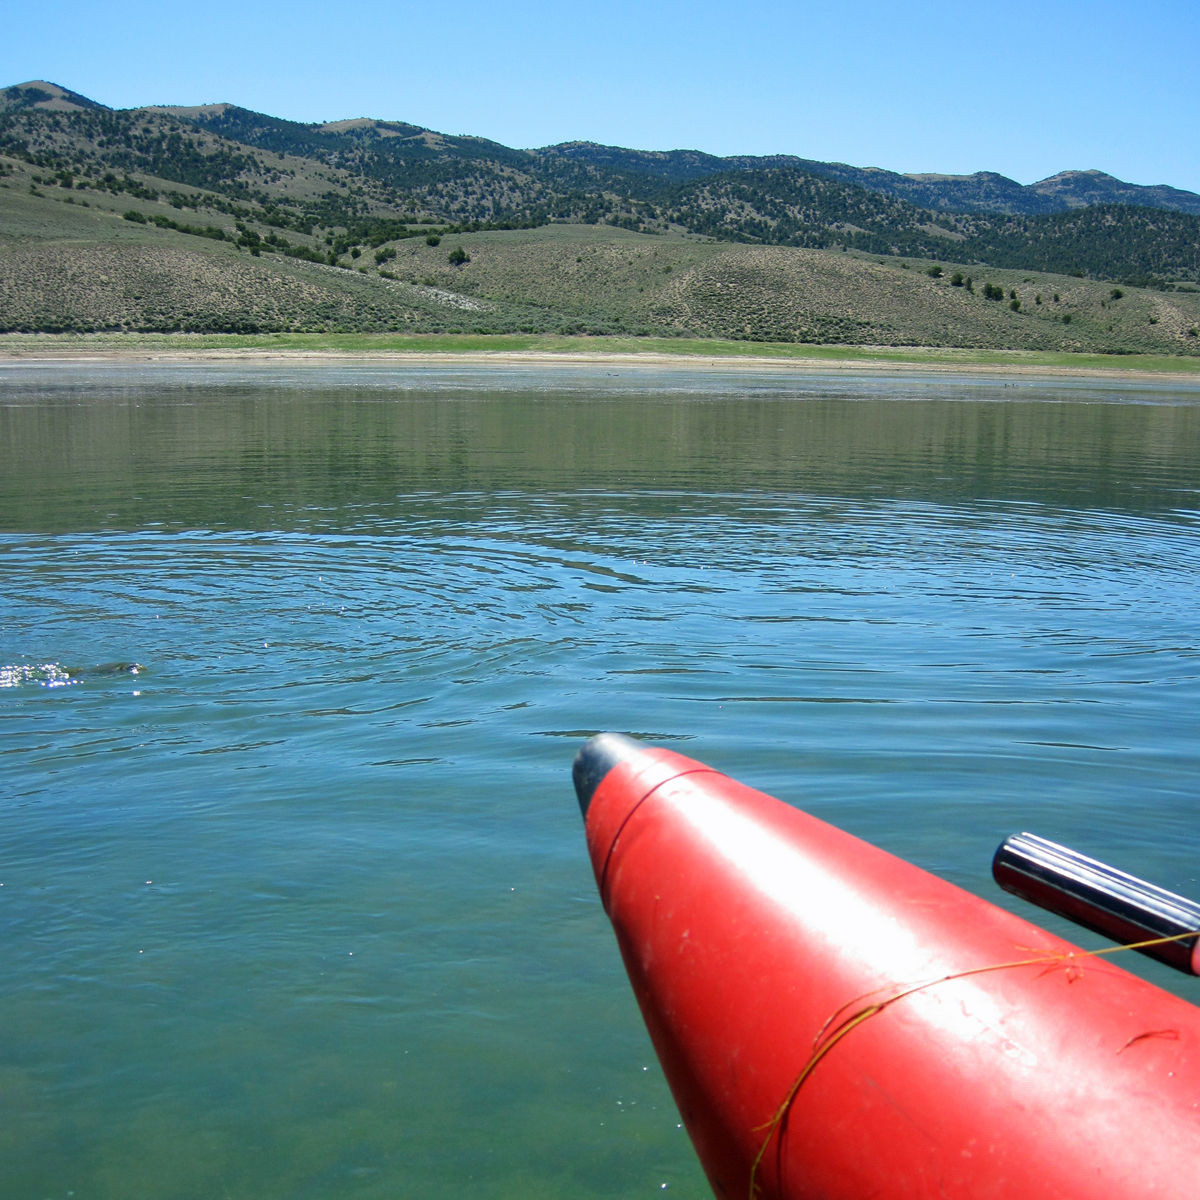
{"points": [[372, 960]]}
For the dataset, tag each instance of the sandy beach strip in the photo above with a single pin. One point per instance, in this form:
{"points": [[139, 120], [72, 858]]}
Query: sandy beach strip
{"points": [[30, 350]]}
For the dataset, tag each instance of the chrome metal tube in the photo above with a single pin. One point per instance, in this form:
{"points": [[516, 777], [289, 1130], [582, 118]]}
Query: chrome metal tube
{"points": [[1100, 898]]}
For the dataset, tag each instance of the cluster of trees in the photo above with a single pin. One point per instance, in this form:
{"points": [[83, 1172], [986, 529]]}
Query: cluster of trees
{"points": [[785, 207], [1110, 241], [164, 222], [246, 239], [131, 141], [183, 160]]}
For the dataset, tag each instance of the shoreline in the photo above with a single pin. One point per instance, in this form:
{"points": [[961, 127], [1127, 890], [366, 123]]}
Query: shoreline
{"points": [[479, 351]]}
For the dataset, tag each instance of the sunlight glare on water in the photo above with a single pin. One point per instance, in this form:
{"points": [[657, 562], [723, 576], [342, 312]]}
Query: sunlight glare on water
{"points": [[295, 898]]}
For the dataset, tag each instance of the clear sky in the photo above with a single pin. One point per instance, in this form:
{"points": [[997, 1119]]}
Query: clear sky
{"points": [[1024, 89]]}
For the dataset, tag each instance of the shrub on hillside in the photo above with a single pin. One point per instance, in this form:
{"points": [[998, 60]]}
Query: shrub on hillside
{"points": [[992, 291], [956, 280], [433, 240], [135, 216], [303, 252], [209, 231], [935, 272], [458, 256]]}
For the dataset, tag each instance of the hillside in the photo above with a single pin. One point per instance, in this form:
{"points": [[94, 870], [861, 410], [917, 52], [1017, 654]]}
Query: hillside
{"points": [[984, 192], [216, 218]]}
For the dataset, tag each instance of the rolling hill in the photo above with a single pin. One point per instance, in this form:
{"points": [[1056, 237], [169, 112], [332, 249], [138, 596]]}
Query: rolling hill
{"points": [[217, 218]]}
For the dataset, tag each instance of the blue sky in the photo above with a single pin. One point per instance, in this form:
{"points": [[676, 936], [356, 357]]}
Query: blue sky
{"points": [[1023, 89]]}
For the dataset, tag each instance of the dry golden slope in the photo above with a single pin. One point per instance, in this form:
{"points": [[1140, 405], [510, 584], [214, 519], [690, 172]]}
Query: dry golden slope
{"points": [[62, 286], [786, 294], [64, 266]]}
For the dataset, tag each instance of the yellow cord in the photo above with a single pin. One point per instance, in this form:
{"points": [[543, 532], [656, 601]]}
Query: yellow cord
{"points": [[826, 1040]]}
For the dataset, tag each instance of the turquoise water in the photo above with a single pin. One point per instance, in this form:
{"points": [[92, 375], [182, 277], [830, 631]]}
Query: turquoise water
{"points": [[295, 896]]}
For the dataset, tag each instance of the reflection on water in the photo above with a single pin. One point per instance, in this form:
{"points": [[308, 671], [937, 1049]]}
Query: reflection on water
{"points": [[222, 449], [40, 674], [295, 897]]}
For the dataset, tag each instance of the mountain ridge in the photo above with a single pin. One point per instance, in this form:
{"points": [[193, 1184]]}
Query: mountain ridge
{"points": [[979, 192]]}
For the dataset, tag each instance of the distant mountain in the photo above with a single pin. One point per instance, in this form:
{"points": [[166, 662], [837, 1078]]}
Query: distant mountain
{"points": [[365, 181], [982, 192], [1079, 188], [46, 96], [679, 166], [985, 191]]}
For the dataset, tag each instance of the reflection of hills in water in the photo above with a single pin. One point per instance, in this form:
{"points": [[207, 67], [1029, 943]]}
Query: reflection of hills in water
{"points": [[336, 449]]}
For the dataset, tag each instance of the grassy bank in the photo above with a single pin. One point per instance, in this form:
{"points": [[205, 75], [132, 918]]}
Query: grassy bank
{"points": [[15, 347]]}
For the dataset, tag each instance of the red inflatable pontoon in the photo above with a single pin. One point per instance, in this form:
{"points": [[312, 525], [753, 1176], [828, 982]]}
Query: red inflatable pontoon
{"points": [[837, 1024]]}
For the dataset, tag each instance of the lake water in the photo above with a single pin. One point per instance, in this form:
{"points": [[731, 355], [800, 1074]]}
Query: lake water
{"points": [[295, 898]]}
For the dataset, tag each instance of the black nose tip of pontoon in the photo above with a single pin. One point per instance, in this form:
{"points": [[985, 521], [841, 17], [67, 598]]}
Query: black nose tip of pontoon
{"points": [[597, 756]]}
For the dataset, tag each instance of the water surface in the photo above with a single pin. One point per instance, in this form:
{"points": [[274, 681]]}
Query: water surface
{"points": [[293, 662]]}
